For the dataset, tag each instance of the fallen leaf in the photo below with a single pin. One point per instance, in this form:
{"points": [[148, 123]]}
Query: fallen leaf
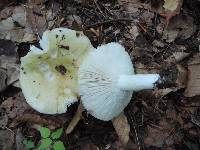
{"points": [[158, 135], [3, 118], [36, 119], [19, 140], [180, 27], [193, 84], [6, 139], [177, 57], [3, 77], [75, 119], [26, 22], [9, 69], [171, 8], [181, 80], [15, 106], [88, 145], [120, 123]]}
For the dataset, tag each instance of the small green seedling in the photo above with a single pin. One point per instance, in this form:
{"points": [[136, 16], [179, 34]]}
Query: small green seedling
{"points": [[49, 140]]}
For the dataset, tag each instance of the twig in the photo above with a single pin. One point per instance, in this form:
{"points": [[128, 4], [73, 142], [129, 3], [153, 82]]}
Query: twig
{"points": [[95, 1], [108, 21], [132, 119]]}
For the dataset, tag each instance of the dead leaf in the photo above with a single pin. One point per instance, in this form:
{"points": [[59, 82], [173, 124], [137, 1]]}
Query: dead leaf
{"points": [[15, 106], [181, 80], [193, 84], [88, 145], [3, 118], [177, 57], [19, 140], [122, 128], [157, 135], [75, 119], [8, 61], [6, 139], [36, 119], [171, 8], [24, 23], [3, 77], [180, 27]]}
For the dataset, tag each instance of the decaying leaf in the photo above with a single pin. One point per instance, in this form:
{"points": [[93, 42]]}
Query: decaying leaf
{"points": [[24, 23], [9, 69], [160, 135], [180, 27], [3, 77], [122, 128], [177, 57], [36, 119], [172, 8], [3, 118], [15, 106], [75, 119], [19, 140], [193, 84], [181, 77], [6, 139]]}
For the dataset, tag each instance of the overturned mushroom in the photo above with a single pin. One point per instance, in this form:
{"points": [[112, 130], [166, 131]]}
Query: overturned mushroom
{"points": [[107, 81], [48, 76]]}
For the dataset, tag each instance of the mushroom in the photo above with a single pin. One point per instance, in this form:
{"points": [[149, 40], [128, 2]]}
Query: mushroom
{"points": [[106, 81], [48, 76]]}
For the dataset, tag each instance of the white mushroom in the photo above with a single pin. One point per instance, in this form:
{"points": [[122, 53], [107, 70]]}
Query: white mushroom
{"points": [[107, 80], [48, 76]]}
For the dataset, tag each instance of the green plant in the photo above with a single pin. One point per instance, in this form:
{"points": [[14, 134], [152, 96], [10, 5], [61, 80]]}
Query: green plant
{"points": [[49, 140]]}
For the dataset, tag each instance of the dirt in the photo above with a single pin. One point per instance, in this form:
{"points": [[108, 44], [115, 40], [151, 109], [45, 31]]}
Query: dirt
{"points": [[163, 118]]}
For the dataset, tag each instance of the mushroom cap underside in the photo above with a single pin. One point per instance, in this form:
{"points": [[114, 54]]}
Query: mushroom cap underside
{"points": [[98, 77]]}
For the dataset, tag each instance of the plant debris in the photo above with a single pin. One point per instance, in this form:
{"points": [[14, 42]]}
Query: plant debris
{"points": [[160, 36]]}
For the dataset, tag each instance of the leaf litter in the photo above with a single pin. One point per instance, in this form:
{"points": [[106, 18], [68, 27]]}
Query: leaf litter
{"points": [[160, 37]]}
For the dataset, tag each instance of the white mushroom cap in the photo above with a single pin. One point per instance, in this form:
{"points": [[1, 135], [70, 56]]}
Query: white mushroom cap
{"points": [[106, 81], [98, 79], [48, 77]]}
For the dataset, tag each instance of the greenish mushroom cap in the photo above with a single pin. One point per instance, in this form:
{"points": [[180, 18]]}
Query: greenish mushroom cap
{"points": [[48, 76]]}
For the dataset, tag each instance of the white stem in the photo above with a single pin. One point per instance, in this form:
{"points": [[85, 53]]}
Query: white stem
{"points": [[137, 82]]}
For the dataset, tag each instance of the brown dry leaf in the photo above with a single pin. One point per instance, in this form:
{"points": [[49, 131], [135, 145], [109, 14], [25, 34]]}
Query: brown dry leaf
{"points": [[3, 77], [88, 145], [159, 135], [24, 23], [180, 27], [177, 57], [9, 69], [181, 80], [36, 119], [19, 140], [15, 27], [75, 119], [171, 8], [122, 128], [15, 106], [3, 118], [6, 139], [193, 84]]}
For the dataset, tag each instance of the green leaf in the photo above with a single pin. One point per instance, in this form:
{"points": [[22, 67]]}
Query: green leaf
{"points": [[56, 134], [58, 145], [45, 143], [44, 132], [28, 144]]}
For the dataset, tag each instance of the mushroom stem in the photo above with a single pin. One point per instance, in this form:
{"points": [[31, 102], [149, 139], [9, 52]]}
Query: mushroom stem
{"points": [[137, 82]]}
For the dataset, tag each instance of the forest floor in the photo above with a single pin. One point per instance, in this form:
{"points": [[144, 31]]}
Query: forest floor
{"points": [[160, 36]]}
